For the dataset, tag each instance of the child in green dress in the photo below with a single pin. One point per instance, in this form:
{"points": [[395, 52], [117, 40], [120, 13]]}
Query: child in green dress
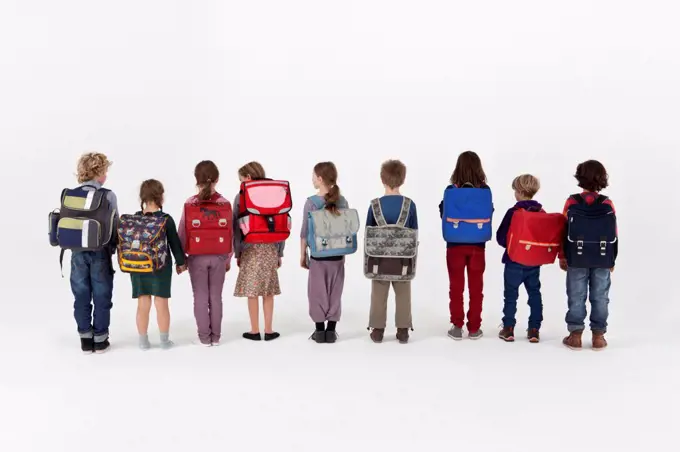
{"points": [[145, 286]]}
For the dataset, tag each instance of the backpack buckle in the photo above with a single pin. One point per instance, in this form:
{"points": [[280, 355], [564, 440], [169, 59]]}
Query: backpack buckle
{"points": [[455, 225], [324, 242], [480, 225], [195, 223], [221, 239], [579, 247], [135, 244], [603, 248], [222, 222], [198, 239], [348, 239], [527, 247]]}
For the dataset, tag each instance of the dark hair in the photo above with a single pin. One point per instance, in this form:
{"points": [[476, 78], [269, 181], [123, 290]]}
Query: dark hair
{"points": [[592, 176], [151, 191], [468, 170], [253, 170], [329, 175], [206, 174], [393, 173]]}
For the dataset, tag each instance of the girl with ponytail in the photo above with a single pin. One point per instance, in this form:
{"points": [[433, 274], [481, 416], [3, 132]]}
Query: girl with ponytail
{"points": [[207, 271], [326, 275]]}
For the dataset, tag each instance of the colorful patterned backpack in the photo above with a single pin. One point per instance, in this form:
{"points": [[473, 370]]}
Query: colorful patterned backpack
{"points": [[142, 243]]}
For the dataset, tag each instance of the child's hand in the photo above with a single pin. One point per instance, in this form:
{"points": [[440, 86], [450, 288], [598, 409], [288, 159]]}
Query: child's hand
{"points": [[238, 261], [280, 261], [563, 264], [181, 269], [303, 262], [611, 269]]}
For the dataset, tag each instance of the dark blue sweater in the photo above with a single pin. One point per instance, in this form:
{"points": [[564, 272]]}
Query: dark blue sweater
{"points": [[441, 215], [504, 228]]}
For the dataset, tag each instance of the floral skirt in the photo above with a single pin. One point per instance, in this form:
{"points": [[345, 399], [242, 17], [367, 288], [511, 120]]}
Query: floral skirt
{"points": [[258, 274]]}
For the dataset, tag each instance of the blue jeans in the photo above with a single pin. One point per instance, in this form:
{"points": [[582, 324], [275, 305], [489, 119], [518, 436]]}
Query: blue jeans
{"points": [[514, 276], [579, 281], [92, 281]]}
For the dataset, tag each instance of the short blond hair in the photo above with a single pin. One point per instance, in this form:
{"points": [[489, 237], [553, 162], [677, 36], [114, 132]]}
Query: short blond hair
{"points": [[526, 185], [393, 173], [92, 165]]}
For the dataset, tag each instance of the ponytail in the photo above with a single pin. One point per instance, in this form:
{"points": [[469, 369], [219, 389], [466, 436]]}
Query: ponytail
{"points": [[332, 198], [206, 191]]}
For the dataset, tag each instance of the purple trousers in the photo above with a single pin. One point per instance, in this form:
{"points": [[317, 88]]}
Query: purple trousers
{"points": [[324, 289], [207, 280]]}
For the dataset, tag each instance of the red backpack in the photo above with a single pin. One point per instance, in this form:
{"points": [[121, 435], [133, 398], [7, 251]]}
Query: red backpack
{"points": [[535, 238], [208, 227], [263, 211]]}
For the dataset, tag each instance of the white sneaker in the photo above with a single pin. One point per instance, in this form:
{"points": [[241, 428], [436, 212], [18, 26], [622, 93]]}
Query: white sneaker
{"points": [[216, 344], [198, 342]]}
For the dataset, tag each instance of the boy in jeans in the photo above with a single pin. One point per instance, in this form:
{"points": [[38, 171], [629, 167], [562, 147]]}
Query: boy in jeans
{"points": [[526, 186], [92, 271], [592, 178], [392, 175]]}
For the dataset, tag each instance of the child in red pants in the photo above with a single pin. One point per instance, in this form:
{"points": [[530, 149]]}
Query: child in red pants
{"points": [[466, 256]]}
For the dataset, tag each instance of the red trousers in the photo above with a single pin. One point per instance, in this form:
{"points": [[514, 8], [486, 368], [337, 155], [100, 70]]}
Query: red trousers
{"points": [[472, 258]]}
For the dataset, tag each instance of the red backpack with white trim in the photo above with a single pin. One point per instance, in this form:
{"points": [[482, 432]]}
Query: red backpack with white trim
{"points": [[263, 210], [535, 237]]}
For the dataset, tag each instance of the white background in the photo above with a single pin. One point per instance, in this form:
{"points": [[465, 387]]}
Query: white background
{"points": [[532, 86]]}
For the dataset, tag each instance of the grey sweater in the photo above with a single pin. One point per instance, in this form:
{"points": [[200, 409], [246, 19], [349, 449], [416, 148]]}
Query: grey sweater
{"points": [[239, 244]]}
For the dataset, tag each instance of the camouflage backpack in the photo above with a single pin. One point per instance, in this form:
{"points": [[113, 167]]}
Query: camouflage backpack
{"points": [[142, 243], [390, 250]]}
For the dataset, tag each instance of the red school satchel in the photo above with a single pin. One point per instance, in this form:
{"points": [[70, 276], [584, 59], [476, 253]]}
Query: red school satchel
{"points": [[208, 227], [264, 207], [535, 238]]}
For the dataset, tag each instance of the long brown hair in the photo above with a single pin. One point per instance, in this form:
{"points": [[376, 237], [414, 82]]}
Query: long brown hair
{"points": [[468, 170], [329, 176], [206, 174], [253, 170], [151, 190]]}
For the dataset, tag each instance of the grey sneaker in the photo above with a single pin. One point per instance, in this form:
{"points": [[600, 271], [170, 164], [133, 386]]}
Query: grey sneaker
{"points": [[476, 335], [166, 345], [456, 333], [144, 343]]}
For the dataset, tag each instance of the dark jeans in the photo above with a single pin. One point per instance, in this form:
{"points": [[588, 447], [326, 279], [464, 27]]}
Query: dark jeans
{"points": [[92, 281], [579, 281], [514, 276]]}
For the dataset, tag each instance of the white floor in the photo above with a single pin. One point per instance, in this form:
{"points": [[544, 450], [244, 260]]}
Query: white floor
{"points": [[293, 394]]}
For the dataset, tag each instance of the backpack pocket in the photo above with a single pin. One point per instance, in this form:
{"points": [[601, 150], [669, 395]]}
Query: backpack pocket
{"points": [[79, 233], [462, 230], [135, 262], [53, 223]]}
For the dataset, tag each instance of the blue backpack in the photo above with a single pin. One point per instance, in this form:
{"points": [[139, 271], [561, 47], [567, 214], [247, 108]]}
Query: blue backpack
{"points": [[330, 235], [591, 234], [467, 215]]}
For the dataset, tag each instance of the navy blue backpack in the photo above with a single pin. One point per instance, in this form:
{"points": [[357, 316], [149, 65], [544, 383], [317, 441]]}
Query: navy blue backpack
{"points": [[592, 240]]}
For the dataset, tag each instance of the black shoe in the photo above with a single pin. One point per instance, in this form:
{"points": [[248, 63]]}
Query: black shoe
{"points": [[252, 336], [319, 336], [271, 336], [87, 345], [331, 337], [101, 347]]}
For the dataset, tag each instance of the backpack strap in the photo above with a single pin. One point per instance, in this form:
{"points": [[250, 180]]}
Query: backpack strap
{"points": [[377, 212], [578, 198], [318, 201], [601, 199], [468, 184], [405, 210]]}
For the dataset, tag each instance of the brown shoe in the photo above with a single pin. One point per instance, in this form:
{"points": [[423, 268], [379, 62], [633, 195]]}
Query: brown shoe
{"points": [[599, 342], [402, 335], [573, 341], [377, 335]]}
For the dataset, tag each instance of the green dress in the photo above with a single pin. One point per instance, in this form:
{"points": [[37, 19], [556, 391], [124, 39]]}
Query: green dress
{"points": [[159, 284]]}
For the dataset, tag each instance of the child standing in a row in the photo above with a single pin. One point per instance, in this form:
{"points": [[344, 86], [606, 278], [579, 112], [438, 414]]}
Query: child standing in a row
{"points": [[207, 272], [326, 274], [461, 256], [156, 285], [258, 268]]}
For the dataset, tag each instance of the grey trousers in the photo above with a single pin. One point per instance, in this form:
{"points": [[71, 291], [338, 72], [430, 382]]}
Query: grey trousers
{"points": [[380, 291], [324, 289]]}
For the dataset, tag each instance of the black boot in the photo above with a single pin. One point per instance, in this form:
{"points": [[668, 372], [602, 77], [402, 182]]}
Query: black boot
{"points": [[319, 334], [87, 345], [331, 335]]}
